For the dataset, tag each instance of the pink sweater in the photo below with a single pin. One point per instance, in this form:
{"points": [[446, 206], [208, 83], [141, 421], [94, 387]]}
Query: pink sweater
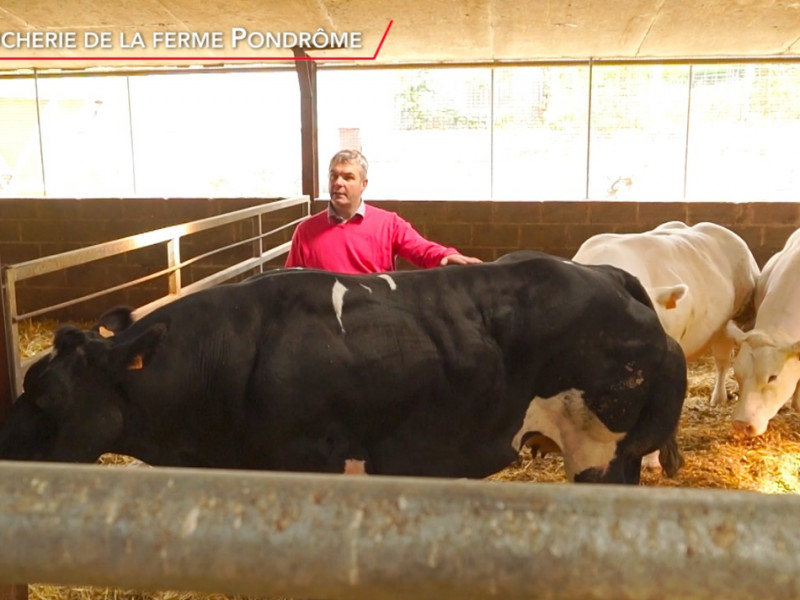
{"points": [[367, 244]]}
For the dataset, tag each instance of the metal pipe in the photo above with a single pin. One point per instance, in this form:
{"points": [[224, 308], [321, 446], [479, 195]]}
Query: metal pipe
{"points": [[336, 536]]}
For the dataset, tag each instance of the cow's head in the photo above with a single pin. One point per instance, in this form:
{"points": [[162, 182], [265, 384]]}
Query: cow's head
{"points": [[767, 371], [72, 406]]}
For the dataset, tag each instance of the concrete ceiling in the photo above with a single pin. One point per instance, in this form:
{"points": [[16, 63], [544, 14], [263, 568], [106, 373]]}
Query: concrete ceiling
{"points": [[422, 31]]}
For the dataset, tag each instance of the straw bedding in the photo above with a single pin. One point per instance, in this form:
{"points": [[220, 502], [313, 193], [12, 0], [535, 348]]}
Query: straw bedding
{"points": [[715, 458]]}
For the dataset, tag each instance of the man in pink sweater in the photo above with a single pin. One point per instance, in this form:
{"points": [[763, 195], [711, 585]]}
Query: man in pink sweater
{"points": [[353, 237]]}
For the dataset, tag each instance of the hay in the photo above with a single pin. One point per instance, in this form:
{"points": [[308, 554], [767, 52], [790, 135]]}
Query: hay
{"points": [[37, 336], [715, 458]]}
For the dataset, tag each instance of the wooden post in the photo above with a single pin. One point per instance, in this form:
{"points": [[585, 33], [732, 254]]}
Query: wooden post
{"points": [[307, 77]]}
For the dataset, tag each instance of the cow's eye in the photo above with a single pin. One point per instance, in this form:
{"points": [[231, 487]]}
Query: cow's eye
{"points": [[772, 378]]}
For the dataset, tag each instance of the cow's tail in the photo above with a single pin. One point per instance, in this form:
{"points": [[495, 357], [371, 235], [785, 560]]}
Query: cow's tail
{"points": [[745, 316], [658, 426], [670, 457]]}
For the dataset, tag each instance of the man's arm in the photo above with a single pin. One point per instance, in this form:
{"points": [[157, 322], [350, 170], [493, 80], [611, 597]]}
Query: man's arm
{"points": [[412, 246]]}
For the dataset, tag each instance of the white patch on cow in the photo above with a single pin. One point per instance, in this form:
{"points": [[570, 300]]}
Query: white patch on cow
{"points": [[366, 287], [337, 298], [584, 441], [389, 280]]}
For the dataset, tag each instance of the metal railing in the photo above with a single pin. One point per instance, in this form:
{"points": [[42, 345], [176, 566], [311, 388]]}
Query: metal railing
{"points": [[367, 538], [14, 273]]}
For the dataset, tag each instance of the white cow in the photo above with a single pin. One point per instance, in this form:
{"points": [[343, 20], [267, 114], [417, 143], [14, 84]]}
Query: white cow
{"points": [[698, 278], [767, 366]]}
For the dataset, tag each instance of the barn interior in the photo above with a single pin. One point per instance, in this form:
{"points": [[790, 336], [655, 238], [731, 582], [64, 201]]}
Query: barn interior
{"points": [[441, 33]]}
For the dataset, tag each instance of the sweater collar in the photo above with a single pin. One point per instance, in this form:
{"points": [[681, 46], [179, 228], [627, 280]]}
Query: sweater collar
{"points": [[361, 211]]}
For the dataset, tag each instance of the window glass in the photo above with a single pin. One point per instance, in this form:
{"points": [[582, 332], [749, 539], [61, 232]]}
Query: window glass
{"points": [[217, 134], [709, 132], [638, 132], [86, 144], [20, 156], [425, 132], [744, 140], [540, 133]]}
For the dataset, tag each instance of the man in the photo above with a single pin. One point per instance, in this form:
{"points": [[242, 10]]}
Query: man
{"points": [[353, 237]]}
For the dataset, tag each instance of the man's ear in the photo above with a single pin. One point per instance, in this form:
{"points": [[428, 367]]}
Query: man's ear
{"points": [[135, 355], [364, 184]]}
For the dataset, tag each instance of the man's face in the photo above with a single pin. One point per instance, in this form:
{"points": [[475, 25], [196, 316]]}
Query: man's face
{"points": [[346, 186]]}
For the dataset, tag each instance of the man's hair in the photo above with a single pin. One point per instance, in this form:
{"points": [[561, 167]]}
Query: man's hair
{"points": [[348, 156]]}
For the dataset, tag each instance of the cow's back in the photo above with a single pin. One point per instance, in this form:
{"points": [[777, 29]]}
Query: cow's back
{"points": [[714, 264], [778, 291]]}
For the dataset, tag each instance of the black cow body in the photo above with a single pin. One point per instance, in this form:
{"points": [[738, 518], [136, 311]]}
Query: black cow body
{"points": [[444, 372]]}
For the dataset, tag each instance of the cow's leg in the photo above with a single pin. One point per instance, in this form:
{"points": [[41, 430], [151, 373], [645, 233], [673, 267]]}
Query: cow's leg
{"points": [[625, 470], [722, 350], [796, 397], [650, 461]]}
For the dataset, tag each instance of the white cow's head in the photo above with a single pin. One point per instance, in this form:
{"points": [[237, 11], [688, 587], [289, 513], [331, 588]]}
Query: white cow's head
{"points": [[767, 371]]}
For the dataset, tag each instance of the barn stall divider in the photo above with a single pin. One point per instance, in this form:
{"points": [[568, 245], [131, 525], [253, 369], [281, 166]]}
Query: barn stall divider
{"points": [[15, 273], [336, 536]]}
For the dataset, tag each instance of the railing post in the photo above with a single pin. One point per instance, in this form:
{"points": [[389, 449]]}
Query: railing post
{"points": [[7, 395], [258, 247], [173, 262], [11, 375]]}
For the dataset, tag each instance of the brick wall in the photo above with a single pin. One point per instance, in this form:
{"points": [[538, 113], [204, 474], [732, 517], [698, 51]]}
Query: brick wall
{"points": [[490, 229], [31, 228]]}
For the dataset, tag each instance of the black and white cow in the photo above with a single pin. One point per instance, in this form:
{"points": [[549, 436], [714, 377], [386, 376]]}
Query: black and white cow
{"points": [[443, 372]]}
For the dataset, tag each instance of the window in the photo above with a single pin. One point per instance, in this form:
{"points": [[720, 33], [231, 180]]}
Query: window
{"points": [[163, 135], [744, 140], [86, 143], [216, 134], [638, 131], [425, 133], [20, 153], [540, 133]]}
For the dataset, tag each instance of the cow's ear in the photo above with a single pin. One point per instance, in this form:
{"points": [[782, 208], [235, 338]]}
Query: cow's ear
{"points": [[669, 296], [134, 355], [795, 349], [67, 339], [114, 321]]}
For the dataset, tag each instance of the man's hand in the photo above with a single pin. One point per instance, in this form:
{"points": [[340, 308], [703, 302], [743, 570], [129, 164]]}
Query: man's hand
{"points": [[460, 259]]}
